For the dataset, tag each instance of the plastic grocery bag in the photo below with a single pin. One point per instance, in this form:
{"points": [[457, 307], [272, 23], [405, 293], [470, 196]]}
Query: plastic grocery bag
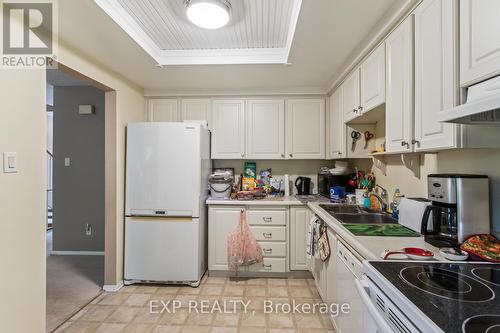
{"points": [[242, 248]]}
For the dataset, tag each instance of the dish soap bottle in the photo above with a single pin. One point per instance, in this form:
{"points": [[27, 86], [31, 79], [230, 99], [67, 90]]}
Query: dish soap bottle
{"points": [[396, 200]]}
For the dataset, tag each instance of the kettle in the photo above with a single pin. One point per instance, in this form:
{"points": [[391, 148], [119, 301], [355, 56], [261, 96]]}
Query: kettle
{"points": [[303, 185]]}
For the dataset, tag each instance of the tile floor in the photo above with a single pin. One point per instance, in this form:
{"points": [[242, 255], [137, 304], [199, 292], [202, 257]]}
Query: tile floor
{"points": [[129, 309]]}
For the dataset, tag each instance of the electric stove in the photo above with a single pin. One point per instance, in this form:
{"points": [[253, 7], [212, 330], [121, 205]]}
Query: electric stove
{"points": [[447, 297]]}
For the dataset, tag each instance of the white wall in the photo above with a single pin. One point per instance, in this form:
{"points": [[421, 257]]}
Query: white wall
{"points": [[475, 161], [22, 201], [130, 105]]}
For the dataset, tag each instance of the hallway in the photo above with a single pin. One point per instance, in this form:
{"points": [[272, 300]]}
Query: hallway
{"points": [[72, 282]]}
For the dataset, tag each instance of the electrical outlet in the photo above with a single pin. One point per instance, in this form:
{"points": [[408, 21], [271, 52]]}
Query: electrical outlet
{"points": [[88, 229]]}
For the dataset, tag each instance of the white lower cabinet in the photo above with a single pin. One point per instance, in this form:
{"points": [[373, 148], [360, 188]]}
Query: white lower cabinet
{"points": [[221, 222], [324, 272], [269, 225], [299, 225]]}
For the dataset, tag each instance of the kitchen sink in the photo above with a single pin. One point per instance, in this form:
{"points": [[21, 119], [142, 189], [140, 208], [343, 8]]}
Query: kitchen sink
{"points": [[353, 214], [365, 218]]}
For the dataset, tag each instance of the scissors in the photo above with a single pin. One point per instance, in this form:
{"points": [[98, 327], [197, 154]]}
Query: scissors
{"points": [[355, 135], [368, 136]]}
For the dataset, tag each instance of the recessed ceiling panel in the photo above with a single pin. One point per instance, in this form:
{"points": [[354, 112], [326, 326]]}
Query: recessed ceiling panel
{"points": [[260, 31]]}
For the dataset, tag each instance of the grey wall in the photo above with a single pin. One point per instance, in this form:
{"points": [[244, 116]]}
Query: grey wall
{"points": [[79, 188]]}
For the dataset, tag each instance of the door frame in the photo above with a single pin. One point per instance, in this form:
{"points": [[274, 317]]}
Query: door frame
{"points": [[110, 172]]}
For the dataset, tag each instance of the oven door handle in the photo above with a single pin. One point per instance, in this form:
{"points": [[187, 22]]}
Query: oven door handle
{"points": [[382, 324]]}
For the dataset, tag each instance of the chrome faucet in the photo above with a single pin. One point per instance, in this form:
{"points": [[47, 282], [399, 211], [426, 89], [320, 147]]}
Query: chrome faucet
{"points": [[384, 194]]}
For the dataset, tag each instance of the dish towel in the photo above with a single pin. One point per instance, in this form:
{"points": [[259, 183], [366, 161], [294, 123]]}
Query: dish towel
{"points": [[310, 238]]}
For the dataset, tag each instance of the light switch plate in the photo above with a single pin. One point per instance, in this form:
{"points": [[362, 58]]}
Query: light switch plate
{"points": [[10, 162], [67, 161]]}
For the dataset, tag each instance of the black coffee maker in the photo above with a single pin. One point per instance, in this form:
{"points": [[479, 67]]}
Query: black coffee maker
{"points": [[303, 185], [460, 208]]}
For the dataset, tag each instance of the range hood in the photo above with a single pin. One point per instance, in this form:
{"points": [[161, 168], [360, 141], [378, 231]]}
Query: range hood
{"points": [[482, 105]]}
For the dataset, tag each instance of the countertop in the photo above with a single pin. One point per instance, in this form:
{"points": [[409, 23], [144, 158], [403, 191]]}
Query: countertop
{"points": [[371, 247], [270, 201]]}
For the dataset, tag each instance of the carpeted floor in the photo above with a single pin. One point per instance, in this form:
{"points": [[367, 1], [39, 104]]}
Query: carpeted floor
{"points": [[72, 282]]}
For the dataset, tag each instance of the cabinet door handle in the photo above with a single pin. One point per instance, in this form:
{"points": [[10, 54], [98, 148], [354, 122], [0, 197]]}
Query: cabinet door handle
{"points": [[360, 108], [267, 235], [282, 155], [242, 155], [268, 251], [267, 219], [404, 143], [415, 142], [268, 267], [291, 155], [355, 110]]}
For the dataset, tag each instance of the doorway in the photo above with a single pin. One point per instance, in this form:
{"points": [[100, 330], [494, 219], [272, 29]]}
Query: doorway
{"points": [[75, 194]]}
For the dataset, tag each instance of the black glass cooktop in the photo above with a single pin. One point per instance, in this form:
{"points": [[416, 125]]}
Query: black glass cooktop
{"points": [[457, 297]]}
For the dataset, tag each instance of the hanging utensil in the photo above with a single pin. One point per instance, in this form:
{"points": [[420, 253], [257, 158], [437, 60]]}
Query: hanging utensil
{"points": [[355, 135], [368, 136]]}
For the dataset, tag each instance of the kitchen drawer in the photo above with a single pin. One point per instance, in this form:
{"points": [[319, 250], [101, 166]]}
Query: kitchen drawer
{"points": [[269, 265], [271, 249], [266, 217], [269, 233]]}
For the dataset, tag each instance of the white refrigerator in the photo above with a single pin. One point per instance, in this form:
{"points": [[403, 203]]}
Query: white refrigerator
{"points": [[167, 170]]}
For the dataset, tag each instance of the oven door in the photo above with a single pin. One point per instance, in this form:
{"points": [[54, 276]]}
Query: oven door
{"points": [[380, 314], [373, 321]]}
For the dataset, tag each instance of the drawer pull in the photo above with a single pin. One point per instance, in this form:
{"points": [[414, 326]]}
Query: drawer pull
{"points": [[268, 251], [267, 219], [267, 235], [268, 267]]}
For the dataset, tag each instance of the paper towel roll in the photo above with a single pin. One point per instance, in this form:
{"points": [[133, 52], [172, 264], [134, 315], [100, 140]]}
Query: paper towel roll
{"points": [[286, 180]]}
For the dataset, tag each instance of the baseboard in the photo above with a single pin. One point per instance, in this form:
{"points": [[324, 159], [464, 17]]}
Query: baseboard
{"points": [[77, 253], [112, 288]]}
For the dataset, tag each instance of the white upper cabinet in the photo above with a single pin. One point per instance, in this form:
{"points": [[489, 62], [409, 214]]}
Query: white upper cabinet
{"points": [[164, 109], [436, 85], [351, 98], [265, 132], [479, 40], [228, 129], [399, 88], [373, 80], [305, 119], [195, 109], [336, 127]]}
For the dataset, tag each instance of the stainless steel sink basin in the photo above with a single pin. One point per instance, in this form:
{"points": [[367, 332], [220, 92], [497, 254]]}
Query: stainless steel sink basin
{"points": [[365, 219], [357, 215], [341, 209]]}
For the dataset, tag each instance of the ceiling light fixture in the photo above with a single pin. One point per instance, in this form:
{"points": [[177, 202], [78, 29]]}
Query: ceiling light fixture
{"points": [[208, 14]]}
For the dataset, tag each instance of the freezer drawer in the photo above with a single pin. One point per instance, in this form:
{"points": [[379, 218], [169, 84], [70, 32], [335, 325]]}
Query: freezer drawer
{"points": [[269, 233], [164, 249]]}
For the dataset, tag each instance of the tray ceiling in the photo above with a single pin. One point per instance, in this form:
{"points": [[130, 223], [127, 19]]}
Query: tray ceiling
{"points": [[260, 31]]}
